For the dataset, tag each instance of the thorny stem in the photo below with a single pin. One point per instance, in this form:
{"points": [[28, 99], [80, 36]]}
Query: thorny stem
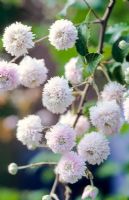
{"points": [[32, 165], [104, 22]]}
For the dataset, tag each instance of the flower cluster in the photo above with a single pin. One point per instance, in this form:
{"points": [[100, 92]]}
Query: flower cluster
{"points": [[71, 167], [9, 78], [94, 148], [57, 95], [29, 131], [17, 39], [32, 72], [113, 91], [106, 116], [61, 138], [63, 34]]}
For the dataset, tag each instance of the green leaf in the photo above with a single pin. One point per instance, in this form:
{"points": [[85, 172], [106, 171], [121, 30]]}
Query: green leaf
{"points": [[125, 129], [114, 32], [93, 60], [108, 169], [117, 53], [83, 37]]}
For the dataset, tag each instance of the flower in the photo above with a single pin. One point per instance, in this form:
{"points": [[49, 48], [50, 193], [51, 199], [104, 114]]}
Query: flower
{"points": [[94, 148], [90, 192], [33, 72], [61, 138], [71, 167], [106, 116], [9, 78], [17, 39], [113, 91], [62, 34], [126, 109], [57, 95], [82, 125], [13, 168], [29, 131], [73, 72]]}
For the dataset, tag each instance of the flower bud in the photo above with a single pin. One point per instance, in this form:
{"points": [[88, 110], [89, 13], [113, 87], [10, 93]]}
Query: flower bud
{"points": [[46, 197], [123, 44], [13, 168], [90, 192]]}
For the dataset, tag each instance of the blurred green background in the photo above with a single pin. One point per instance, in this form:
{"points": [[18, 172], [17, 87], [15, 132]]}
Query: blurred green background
{"points": [[112, 177]]}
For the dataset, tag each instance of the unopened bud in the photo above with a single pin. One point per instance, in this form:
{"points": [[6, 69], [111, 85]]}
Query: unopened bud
{"points": [[90, 192], [123, 44], [13, 168], [46, 197]]}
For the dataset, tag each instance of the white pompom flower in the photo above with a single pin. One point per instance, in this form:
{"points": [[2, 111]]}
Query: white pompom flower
{"points": [[73, 72], [71, 167], [94, 148], [113, 91], [29, 131], [17, 39], [61, 138], [82, 125], [106, 116], [32, 71], [126, 109], [57, 95], [9, 77], [63, 34], [90, 192]]}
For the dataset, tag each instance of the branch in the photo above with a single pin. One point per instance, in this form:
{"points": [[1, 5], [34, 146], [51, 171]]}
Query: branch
{"points": [[104, 22], [54, 185], [32, 165], [82, 101], [94, 13]]}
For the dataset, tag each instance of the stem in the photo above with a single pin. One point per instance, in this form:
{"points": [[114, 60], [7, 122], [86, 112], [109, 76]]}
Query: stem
{"points": [[104, 22], [89, 175], [94, 13], [79, 112], [96, 89], [41, 39], [14, 59], [54, 185], [36, 165], [67, 192], [104, 70]]}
